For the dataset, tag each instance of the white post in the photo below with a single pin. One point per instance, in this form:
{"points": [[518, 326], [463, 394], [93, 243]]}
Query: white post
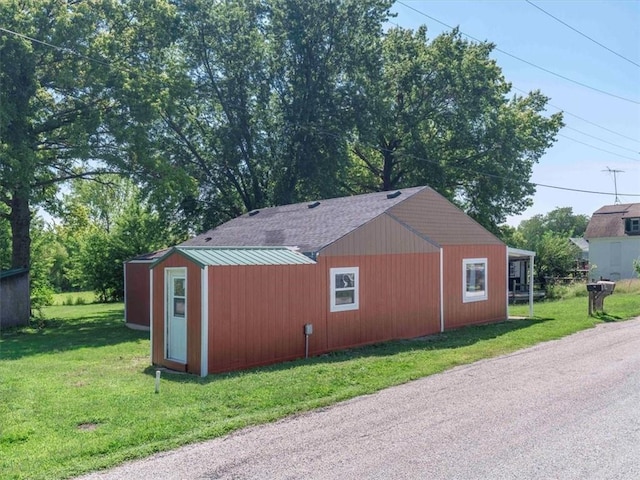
{"points": [[204, 322], [441, 291]]}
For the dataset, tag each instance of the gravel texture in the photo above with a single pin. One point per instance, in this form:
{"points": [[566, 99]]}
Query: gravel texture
{"points": [[566, 409]]}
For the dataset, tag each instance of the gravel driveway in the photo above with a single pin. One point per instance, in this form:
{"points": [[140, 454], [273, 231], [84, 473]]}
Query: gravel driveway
{"points": [[566, 409]]}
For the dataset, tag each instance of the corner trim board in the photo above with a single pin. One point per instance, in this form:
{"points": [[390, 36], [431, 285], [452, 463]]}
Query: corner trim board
{"points": [[204, 319]]}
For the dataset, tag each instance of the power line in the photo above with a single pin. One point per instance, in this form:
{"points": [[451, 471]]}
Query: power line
{"points": [[601, 149], [584, 119], [73, 52], [581, 33], [604, 92], [484, 174], [601, 140], [56, 47], [583, 191]]}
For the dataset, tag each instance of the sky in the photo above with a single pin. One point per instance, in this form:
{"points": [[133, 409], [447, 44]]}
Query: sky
{"points": [[609, 126]]}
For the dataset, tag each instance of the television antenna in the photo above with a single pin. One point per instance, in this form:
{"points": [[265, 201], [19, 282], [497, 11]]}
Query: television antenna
{"points": [[615, 181]]}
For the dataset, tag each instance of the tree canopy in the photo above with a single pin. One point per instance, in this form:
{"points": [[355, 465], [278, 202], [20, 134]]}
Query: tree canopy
{"points": [[216, 108], [548, 235]]}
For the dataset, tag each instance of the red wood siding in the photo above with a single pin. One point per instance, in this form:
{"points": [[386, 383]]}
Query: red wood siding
{"points": [[399, 298], [457, 313], [194, 318], [137, 293], [257, 314]]}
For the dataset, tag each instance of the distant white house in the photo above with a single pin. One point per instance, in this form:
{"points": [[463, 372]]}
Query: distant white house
{"points": [[613, 234]]}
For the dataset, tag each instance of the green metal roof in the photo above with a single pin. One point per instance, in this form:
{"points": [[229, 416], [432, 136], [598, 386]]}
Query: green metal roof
{"points": [[12, 272], [221, 256]]}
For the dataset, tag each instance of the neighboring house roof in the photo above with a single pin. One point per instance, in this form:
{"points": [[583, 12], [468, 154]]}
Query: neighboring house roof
{"points": [[608, 221], [581, 243], [225, 256], [148, 257], [13, 272], [311, 226]]}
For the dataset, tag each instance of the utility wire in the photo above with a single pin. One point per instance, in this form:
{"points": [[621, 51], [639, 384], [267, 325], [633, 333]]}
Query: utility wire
{"points": [[78, 54], [601, 140], [598, 148], [56, 47], [484, 174], [583, 191], [580, 33], [584, 119], [604, 92]]}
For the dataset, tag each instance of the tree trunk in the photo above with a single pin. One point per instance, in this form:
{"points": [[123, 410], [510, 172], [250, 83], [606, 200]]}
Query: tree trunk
{"points": [[20, 219]]}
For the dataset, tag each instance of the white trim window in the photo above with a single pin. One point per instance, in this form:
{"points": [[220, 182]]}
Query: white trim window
{"points": [[345, 284], [474, 280]]}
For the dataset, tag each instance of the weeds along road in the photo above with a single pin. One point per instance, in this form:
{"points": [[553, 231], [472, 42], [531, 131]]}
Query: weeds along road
{"points": [[566, 409]]}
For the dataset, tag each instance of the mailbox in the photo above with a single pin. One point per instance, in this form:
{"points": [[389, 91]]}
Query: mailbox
{"points": [[594, 287], [597, 293], [607, 286]]}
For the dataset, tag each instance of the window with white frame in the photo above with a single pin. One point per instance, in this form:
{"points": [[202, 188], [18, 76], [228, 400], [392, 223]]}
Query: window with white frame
{"points": [[474, 280], [344, 289]]}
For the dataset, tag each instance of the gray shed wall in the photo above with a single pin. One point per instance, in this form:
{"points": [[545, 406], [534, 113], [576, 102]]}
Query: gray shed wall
{"points": [[14, 301]]}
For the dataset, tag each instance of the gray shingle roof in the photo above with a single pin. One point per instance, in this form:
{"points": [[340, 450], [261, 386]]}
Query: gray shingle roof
{"points": [[608, 221], [298, 225]]}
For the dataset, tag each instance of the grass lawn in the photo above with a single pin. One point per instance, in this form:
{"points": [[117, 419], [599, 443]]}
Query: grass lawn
{"points": [[78, 394]]}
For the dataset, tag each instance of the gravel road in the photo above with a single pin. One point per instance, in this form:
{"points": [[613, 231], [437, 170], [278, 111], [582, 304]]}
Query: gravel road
{"points": [[566, 409]]}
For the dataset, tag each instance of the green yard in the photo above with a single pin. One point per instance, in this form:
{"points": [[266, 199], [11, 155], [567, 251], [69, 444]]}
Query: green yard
{"points": [[78, 394]]}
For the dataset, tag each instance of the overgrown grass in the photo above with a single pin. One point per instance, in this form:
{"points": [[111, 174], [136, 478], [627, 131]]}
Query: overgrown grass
{"points": [[78, 395], [579, 289], [73, 298]]}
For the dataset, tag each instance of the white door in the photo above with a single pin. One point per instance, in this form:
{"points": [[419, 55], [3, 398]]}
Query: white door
{"points": [[176, 314]]}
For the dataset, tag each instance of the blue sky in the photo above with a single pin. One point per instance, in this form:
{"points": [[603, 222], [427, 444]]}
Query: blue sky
{"points": [[520, 29]]}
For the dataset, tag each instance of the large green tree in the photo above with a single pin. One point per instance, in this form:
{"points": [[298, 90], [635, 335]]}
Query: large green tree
{"points": [[269, 98], [77, 85], [439, 113]]}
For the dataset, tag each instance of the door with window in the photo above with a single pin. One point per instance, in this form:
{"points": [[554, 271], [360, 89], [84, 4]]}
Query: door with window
{"points": [[176, 314]]}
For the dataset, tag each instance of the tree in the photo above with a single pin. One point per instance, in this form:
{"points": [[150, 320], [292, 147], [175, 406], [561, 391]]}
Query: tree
{"points": [[73, 103], [322, 52], [5, 244], [439, 114], [268, 100], [548, 235], [97, 247]]}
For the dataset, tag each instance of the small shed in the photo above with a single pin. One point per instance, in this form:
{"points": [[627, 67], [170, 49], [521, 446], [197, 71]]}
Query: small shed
{"points": [[15, 306], [136, 289], [359, 270]]}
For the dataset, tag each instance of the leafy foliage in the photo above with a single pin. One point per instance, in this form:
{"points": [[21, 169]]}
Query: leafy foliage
{"points": [[100, 236], [548, 235], [439, 114], [216, 108]]}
